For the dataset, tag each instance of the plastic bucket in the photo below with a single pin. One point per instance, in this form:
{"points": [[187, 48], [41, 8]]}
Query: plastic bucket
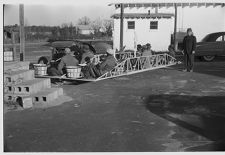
{"points": [[40, 69], [73, 71]]}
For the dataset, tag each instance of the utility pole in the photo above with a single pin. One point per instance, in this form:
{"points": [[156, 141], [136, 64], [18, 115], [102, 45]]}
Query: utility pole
{"points": [[175, 28], [22, 36], [121, 25], [14, 45]]}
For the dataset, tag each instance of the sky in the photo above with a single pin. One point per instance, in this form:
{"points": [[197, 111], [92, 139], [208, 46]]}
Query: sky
{"points": [[57, 14]]}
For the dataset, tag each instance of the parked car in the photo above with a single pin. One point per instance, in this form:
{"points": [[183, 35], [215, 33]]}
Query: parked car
{"points": [[212, 45], [58, 47], [209, 47]]}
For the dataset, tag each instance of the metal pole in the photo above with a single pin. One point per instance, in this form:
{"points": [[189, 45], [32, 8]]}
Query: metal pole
{"points": [[121, 26], [22, 37], [175, 28], [14, 46]]}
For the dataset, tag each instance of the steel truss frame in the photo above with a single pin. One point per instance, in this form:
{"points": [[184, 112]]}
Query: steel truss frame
{"points": [[130, 65], [139, 64]]}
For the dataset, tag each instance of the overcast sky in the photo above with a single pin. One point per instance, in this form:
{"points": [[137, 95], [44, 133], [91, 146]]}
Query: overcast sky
{"points": [[56, 14]]}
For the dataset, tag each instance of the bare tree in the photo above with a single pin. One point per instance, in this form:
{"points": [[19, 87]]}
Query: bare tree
{"points": [[108, 26], [84, 21], [97, 25]]}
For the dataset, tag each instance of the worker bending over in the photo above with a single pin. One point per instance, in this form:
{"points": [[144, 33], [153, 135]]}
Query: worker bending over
{"points": [[86, 53], [67, 60], [108, 63]]}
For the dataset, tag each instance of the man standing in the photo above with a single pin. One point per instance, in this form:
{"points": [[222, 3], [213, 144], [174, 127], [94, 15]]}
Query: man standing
{"points": [[189, 45]]}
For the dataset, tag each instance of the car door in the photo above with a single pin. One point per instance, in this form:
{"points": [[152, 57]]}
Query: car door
{"points": [[220, 45]]}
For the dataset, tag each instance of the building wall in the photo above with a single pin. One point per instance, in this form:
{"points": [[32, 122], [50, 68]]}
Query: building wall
{"points": [[86, 32], [142, 34], [202, 20]]}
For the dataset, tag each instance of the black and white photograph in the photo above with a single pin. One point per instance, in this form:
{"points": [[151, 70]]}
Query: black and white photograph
{"points": [[113, 76]]}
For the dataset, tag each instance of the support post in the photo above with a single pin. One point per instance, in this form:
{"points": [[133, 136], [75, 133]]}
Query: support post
{"points": [[14, 46], [121, 26], [175, 28], [22, 36]]}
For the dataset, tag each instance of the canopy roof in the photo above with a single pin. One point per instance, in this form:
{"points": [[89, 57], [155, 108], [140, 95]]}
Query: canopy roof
{"points": [[143, 15], [170, 4]]}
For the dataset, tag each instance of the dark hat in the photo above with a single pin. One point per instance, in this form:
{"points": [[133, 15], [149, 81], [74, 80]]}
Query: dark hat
{"points": [[189, 29], [139, 45], [148, 44], [144, 47]]}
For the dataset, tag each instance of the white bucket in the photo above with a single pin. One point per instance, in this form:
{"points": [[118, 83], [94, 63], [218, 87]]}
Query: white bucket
{"points": [[73, 71], [8, 55], [40, 69]]}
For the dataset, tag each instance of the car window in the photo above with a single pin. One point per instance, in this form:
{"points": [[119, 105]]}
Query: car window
{"points": [[220, 38]]}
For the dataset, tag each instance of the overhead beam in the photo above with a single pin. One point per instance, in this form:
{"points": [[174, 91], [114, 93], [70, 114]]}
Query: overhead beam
{"points": [[167, 5]]}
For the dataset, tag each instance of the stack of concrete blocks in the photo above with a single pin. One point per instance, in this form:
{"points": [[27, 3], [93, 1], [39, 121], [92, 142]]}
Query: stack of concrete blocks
{"points": [[21, 86]]}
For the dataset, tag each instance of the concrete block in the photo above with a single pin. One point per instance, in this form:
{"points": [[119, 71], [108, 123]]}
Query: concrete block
{"points": [[16, 77], [27, 102], [13, 97], [16, 65], [9, 89], [24, 101], [31, 86], [47, 95]]}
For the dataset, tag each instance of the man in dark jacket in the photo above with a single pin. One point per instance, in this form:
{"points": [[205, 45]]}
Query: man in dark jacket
{"points": [[189, 45], [108, 63]]}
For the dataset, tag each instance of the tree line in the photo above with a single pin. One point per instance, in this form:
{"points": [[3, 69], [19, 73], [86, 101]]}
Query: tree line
{"points": [[101, 29]]}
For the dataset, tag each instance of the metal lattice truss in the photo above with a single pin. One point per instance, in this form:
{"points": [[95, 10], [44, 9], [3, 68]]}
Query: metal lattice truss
{"points": [[124, 55], [134, 65], [119, 57]]}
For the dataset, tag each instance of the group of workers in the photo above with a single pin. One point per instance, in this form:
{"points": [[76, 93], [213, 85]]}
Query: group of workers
{"points": [[73, 57], [144, 50]]}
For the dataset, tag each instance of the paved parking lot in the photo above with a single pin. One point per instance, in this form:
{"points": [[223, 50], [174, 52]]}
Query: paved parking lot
{"points": [[159, 110]]}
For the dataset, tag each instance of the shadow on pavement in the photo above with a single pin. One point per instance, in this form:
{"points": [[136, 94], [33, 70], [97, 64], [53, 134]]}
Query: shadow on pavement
{"points": [[203, 115]]}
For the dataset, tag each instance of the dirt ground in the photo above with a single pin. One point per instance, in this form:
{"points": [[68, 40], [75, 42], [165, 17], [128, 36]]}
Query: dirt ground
{"points": [[159, 110]]}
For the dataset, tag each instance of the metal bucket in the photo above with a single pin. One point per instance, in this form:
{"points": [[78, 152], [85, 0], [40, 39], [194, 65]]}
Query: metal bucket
{"points": [[40, 69], [73, 71]]}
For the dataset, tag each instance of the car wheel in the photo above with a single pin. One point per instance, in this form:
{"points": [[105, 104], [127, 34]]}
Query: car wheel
{"points": [[43, 60], [208, 58]]}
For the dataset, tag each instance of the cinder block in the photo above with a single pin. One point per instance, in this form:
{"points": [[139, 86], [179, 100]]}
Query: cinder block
{"points": [[13, 97], [31, 86], [9, 89], [27, 102], [16, 65], [23, 100], [47, 95], [41, 98], [16, 77]]}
